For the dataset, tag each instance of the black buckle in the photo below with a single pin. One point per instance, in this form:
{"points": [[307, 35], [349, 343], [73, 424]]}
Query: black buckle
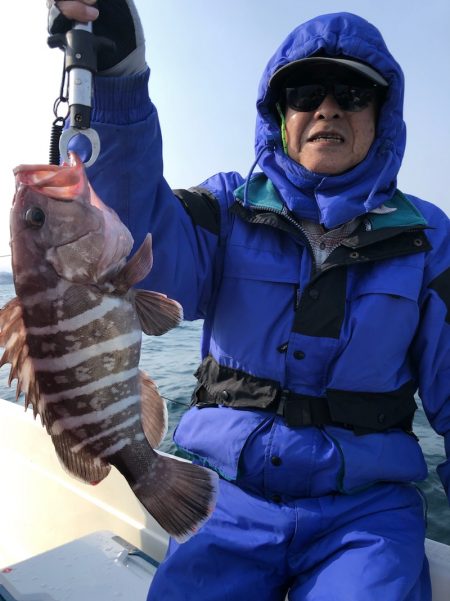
{"points": [[282, 400], [301, 410]]}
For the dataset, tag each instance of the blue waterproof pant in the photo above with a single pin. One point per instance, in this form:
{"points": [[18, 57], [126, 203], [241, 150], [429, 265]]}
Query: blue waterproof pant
{"points": [[364, 547]]}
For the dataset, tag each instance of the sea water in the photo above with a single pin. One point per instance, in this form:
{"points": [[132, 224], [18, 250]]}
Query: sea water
{"points": [[171, 361]]}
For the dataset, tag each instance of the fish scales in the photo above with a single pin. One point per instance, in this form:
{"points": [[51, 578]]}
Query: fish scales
{"points": [[89, 332], [82, 332], [73, 337], [85, 331], [112, 363], [61, 315]]}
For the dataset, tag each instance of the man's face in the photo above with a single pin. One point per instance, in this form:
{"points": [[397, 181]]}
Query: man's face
{"points": [[328, 139]]}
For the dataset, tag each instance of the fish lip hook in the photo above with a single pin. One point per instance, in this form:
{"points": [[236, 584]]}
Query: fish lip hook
{"points": [[72, 132]]}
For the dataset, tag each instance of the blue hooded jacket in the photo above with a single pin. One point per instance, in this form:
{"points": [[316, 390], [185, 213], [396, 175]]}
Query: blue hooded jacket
{"points": [[365, 332], [337, 199]]}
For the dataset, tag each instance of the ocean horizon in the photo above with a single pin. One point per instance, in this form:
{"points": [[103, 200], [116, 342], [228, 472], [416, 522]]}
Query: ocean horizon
{"points": [[171, 361]]}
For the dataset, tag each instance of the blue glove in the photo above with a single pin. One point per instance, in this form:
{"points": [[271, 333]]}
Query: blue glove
{"points": [[118, 21]]}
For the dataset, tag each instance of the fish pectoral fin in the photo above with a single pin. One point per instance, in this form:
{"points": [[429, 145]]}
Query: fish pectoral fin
{"points": [[137, 268], [79, 463], [157, 313], [154, 416], [13, 340]]}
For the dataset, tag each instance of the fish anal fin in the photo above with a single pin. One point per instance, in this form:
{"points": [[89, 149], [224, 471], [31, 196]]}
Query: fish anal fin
{"points": [[157, 313], [13, 340], [154, 416], [137, 268], [81, 463]]}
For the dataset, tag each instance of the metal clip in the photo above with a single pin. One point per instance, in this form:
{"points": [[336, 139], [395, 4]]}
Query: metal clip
{"points": [[72, 132], [80, 47]]}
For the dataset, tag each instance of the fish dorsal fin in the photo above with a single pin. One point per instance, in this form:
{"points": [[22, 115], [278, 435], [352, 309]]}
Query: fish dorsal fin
{"points": [[13, 340], [157, 313], [137, 268], [79, 463], [153, 411]]}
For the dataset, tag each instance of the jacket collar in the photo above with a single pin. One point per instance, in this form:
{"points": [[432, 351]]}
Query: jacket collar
{"points": [[263, 196], [381, 235]]}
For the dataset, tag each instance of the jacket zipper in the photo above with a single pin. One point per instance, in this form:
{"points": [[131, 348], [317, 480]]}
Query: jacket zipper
{"points": [[315, 273]]}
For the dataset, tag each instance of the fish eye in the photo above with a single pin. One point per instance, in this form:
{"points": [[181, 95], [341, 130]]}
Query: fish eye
{"points": [[35, 217]]}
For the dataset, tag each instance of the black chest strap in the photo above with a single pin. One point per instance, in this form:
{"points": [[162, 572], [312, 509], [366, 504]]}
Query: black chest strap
{"points": [[360, 411]]}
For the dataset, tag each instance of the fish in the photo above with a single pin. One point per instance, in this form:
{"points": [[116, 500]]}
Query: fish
{"points": [[73, 337]]}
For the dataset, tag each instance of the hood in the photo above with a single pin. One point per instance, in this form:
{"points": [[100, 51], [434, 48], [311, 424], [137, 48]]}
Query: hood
{"points": [[334, 199]]}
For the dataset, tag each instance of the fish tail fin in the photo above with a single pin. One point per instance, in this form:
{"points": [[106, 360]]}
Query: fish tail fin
{"points": [[179, 495]]}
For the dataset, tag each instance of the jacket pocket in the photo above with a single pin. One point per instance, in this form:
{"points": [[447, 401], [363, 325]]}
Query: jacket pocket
{"points": [[258, 264], [215, 436], [254, 310], [382, 457], [396, 281]]}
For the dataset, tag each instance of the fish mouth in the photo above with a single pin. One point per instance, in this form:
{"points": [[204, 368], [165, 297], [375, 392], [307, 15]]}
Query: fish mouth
{"points": [[327, 136]]}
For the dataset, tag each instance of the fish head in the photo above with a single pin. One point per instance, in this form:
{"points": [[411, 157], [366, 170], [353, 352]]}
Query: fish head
{"points": [[60, 226]]}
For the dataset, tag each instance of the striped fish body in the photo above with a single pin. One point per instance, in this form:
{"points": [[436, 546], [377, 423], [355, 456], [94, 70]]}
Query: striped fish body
{"points": [[73, 337], [85, 347]]}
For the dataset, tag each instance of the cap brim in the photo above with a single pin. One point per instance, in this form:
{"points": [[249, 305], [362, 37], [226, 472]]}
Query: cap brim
{"points": [[296, 68]]}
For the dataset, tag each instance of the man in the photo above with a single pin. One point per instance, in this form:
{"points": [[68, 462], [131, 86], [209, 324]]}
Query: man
{"points": [[325, 295]]}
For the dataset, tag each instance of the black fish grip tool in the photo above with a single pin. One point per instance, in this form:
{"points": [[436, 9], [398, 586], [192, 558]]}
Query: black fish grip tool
{"points": [[81, 48]]}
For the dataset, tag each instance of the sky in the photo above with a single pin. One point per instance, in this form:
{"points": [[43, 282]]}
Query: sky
{"points": [[206, 59]]}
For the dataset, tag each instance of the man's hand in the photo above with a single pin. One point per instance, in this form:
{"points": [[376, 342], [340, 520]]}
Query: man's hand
{"points": [[117, 20], [74, 10]]}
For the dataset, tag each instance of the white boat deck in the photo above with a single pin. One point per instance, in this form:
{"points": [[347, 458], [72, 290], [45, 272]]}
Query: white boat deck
{"points": [[42, 507]]}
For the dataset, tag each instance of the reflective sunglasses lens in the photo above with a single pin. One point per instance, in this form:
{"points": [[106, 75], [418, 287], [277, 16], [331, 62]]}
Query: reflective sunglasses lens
{"points": [[349, 97], [353, 98], [305, 98]]}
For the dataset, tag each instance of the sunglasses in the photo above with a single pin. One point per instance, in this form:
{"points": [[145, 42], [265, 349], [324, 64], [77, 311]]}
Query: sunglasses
{"points": [[350, 97]]}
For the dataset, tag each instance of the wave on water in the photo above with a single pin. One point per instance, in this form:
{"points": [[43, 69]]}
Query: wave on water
{"points": [[6, 278], [171, 361]]}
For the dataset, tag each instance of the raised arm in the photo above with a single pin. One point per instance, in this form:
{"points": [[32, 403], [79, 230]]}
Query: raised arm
{"points": [[128, 175]]}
